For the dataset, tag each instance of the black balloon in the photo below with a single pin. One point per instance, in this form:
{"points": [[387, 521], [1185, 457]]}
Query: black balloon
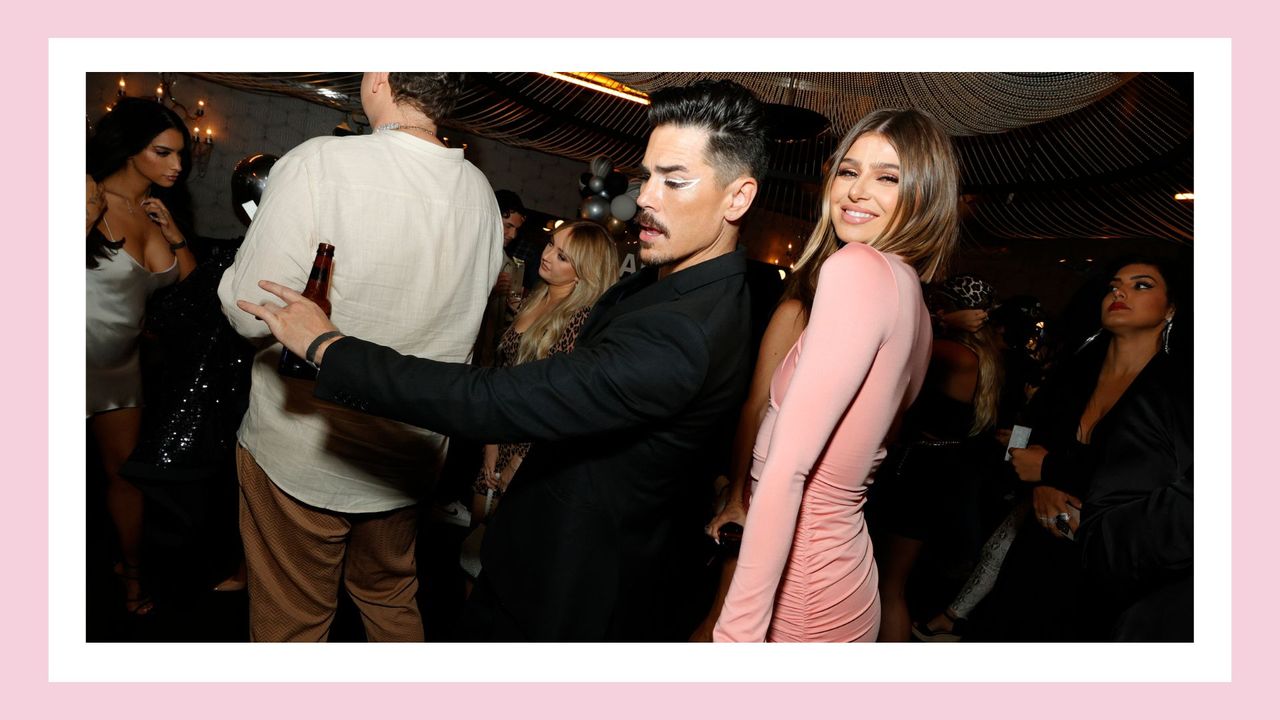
{"points": [[594, 208], [596, 184], [615, 183], [583, 179], [249, 180]]}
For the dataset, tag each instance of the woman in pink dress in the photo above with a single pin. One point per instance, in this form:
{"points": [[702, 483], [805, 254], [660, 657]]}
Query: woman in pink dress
{"points": [[806, 571]]}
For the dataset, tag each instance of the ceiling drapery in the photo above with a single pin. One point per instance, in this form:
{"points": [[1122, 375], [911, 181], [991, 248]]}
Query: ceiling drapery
{"points": [[1065, 155], [965, 103]]}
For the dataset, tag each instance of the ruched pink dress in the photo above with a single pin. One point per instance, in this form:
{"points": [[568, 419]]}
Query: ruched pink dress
{"points": [[806, 571]]}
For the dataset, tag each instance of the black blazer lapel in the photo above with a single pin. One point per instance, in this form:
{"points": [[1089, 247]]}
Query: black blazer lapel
{"points": [[644, 289]]}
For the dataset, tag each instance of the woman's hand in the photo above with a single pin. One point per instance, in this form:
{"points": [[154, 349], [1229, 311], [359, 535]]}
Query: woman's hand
{"points": [[514, 299], [95, 203], [1027, 461], [969, 321], [1048, 503], [159, 214], [508, 472], [488, 479], [488, 469]]}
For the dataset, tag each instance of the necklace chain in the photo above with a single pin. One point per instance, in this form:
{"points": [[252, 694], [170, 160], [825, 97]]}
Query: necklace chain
{"points": [[129, 201], [398, 126]]}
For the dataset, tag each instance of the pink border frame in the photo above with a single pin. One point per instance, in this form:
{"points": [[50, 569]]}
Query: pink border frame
{"points": [[26, 654]]}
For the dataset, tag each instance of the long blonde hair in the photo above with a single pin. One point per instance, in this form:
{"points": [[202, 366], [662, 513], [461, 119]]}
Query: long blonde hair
{"points": [[986, 396], [595, 261], [925, 223]]}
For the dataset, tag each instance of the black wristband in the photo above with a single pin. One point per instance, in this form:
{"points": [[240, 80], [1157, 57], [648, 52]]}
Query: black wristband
{"points": [[315, 344], [175, 248]]}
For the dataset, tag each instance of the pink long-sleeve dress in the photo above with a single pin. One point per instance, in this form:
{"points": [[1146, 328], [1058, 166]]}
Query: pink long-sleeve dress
{"points": [[806, 571]]}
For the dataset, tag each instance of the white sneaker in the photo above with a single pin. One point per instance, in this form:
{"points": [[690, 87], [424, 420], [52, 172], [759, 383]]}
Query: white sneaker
{"points": [[455, 513]]}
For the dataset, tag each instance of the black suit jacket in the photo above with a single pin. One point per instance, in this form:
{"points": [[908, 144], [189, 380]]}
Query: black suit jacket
{"points": [[596, 536]]}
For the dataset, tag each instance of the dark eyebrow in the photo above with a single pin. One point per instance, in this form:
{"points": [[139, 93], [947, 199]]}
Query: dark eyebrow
{"points": [[877, 166], [1152, 278], [165, 147], [668, 169]]}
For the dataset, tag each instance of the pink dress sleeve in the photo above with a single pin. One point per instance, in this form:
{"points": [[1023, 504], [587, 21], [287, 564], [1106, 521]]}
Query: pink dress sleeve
{"points": [[853, 312]]}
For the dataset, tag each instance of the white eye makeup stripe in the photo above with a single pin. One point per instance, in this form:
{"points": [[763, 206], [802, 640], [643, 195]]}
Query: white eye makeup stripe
{"points": [[683, 184]]}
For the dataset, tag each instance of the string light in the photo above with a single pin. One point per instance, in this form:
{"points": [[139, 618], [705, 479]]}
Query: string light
{"points": [[601, 84]]}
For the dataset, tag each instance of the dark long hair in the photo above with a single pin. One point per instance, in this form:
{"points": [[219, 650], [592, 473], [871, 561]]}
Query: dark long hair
{"points": [[124, 131]]}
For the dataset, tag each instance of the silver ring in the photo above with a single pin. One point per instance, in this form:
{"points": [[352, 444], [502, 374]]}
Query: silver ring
{"points": [[1064, 517]]}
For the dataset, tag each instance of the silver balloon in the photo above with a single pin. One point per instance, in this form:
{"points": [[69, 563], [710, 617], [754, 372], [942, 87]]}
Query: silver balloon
{"points": [[594, 208], [633, 188], [623, 207], [601, 166], [596, 184]]}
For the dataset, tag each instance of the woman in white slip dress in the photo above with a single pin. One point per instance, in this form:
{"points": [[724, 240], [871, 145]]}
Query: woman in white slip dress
{"points": [[133, 246]]}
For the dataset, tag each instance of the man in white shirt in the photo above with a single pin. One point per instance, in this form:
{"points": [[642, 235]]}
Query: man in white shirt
{"points": [[328, 494]]}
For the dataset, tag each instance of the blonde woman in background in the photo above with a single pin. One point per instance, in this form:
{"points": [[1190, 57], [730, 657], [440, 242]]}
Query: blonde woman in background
{"points": [[578, 264]]}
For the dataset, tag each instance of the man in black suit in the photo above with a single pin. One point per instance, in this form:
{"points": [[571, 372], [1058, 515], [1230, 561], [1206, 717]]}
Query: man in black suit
{"points": [[596, 538]]}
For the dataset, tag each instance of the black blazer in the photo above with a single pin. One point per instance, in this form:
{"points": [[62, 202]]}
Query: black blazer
{"points": [[596, 536]]}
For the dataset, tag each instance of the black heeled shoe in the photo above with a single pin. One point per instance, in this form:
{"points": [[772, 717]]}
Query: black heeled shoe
{"points": [[137, 604]]}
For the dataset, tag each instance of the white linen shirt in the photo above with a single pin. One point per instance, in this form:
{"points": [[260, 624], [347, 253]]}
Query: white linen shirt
{"points": [[417, 246]]}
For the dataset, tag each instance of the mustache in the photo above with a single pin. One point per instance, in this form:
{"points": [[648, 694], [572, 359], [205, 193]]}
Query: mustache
{"points": [[646, 219]]}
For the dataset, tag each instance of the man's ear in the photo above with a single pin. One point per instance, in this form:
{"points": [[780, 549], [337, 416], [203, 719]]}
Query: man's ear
{"points": [[380, 83], [741, 194]]}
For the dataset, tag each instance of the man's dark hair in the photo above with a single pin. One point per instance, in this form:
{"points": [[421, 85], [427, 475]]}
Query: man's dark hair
{"points": [[733, 116], [508, 202], [434, 94]]}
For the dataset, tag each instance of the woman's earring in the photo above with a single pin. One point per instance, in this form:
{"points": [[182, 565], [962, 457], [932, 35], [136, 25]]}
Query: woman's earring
{"points": [[1164, 334], [1089, 339]]}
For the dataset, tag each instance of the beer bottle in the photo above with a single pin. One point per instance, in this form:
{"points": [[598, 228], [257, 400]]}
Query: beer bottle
{"points": [[317, 291]]}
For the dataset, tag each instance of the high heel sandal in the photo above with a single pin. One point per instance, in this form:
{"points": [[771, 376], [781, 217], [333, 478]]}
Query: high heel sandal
{"points": [[137, 604]]}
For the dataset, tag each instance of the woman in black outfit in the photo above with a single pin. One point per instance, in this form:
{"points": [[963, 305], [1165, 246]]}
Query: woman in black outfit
{"points": [[1113, 426]]}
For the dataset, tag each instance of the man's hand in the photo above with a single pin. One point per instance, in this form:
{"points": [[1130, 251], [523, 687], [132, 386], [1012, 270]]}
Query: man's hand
{"points": [[296, 324], [733, 512]]}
